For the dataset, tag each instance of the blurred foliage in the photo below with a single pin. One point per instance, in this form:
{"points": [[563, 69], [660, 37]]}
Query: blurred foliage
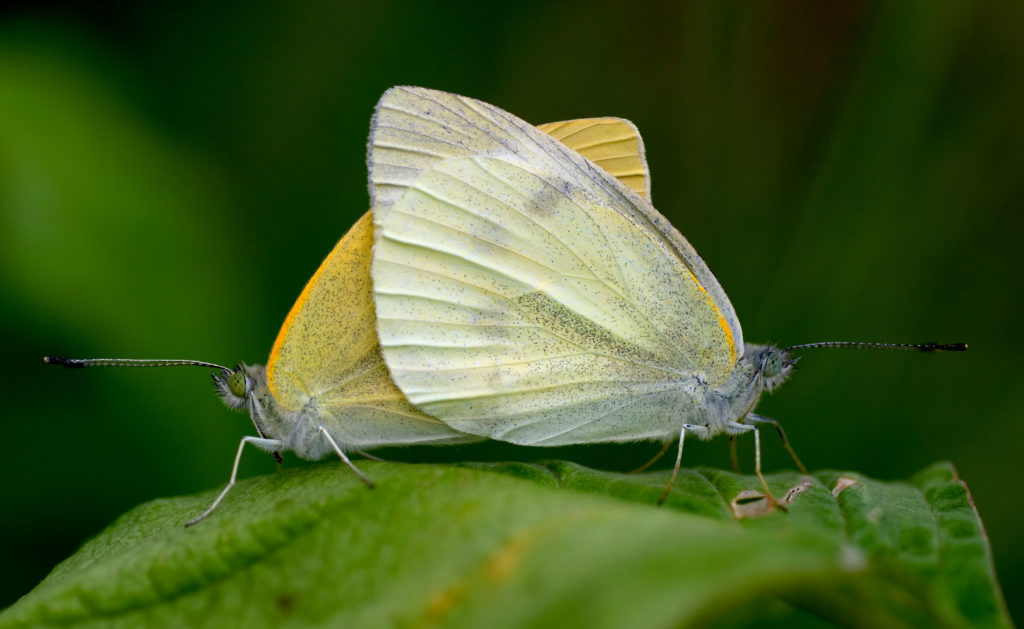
{"points": [[171, 174]]}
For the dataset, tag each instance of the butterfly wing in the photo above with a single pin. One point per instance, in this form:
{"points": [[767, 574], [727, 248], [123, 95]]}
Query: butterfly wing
{"points": [[613, 144], [414, 128], [327, 349], [327, 353], [523, 294]]}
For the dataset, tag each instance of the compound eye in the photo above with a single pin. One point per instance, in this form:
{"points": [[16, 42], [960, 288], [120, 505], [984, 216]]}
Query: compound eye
{"points": [[236, 383], [772, 365]]}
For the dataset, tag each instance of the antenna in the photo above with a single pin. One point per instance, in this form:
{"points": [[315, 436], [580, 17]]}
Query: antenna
{"points": [[919, 347], [75, 363]]}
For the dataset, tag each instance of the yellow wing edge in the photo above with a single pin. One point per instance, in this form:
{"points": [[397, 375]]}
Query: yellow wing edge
{"points": [[362, 226]]}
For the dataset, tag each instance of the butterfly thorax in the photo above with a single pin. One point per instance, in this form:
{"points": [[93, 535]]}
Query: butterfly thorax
{"points": [[760, 368]]}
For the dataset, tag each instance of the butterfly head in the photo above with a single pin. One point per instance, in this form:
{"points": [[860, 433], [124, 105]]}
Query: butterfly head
{"points": [[775, 366], [245, 387], [234, 386]]}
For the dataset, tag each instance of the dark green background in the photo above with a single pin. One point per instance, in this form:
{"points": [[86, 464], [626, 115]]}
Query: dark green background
{"points": [[171, 174]]}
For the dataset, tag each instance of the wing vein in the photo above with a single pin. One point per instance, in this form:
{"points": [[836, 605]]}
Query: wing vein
{"points": [[628, 299], [512, 252], [590, 420], [583, 350], [667, 385]]}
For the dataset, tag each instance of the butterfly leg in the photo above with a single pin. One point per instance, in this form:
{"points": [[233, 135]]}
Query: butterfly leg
{"points": [[271, 445], [661, 453], [679, 456], [736, 428], [757, 419], [733, 457], [367, 455], [345, 459]]}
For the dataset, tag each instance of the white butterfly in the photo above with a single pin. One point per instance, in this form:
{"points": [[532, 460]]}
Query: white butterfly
{"points": [[527, 295]]}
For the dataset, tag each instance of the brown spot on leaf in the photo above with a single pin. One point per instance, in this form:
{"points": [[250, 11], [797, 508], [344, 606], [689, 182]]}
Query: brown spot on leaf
{"points": [[285, 602], [751, 504], [499, 566], [441, 603], [505, 560], [842, 484], [795, 491]]}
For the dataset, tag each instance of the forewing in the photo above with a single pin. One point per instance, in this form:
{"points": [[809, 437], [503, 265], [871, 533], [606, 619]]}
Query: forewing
{"points": [[509, 298], [414, 129], [327, 353]]}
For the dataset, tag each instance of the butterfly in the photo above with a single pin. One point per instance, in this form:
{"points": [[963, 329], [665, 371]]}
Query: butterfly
{"points": [[527, 295]]}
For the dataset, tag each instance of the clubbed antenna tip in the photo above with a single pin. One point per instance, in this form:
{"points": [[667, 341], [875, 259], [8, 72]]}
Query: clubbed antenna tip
{"points": [[70, 363]]}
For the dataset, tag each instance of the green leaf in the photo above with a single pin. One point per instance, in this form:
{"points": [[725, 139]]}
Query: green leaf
{"points": [[517, 545]]}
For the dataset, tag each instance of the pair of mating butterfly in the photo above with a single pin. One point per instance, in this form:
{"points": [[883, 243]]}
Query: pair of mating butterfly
{"points": [[512, 282]]}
